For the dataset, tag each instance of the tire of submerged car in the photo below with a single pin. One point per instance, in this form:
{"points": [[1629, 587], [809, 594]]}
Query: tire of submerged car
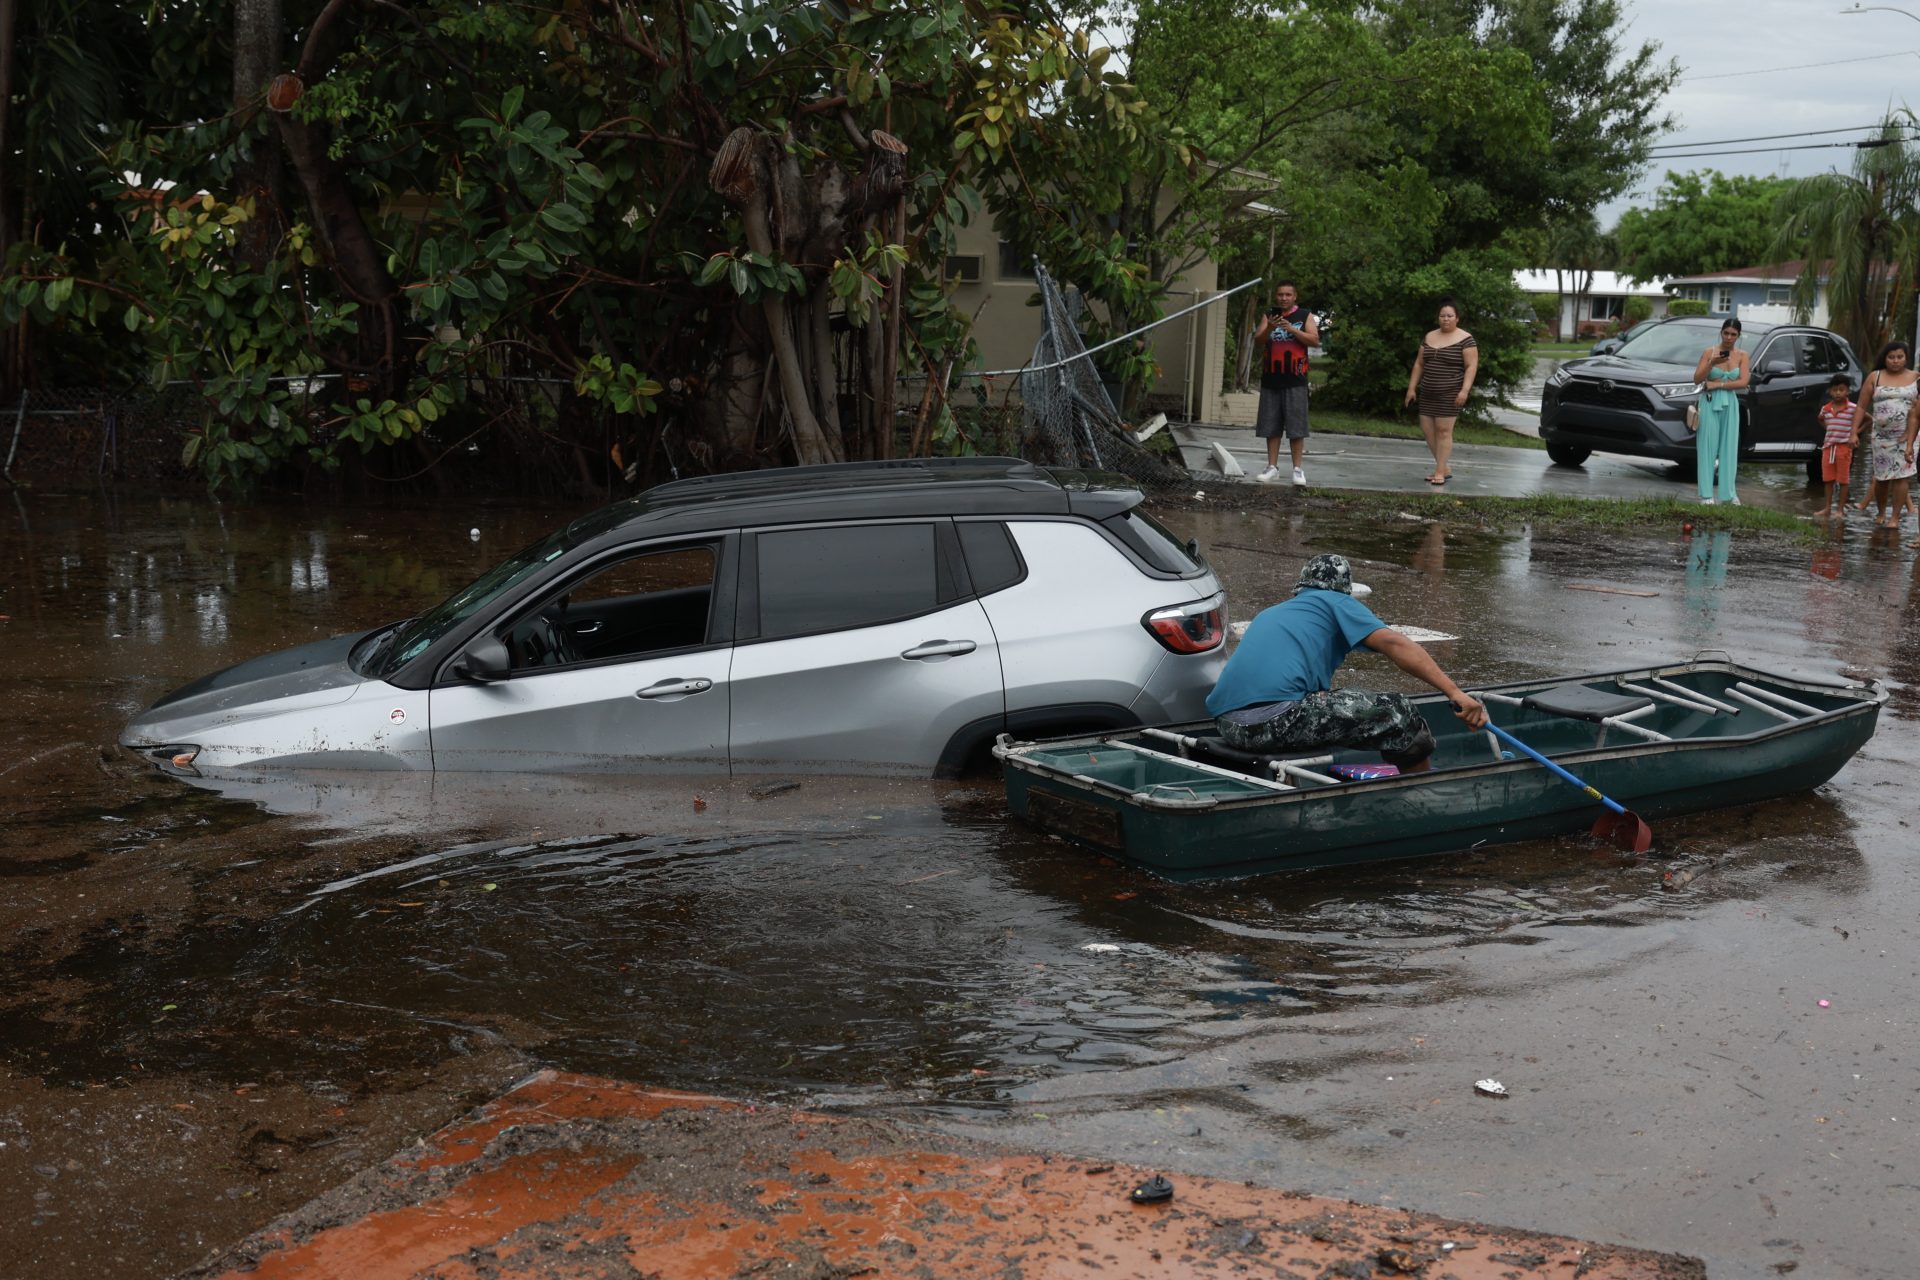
{"points": [[1567, 455]]}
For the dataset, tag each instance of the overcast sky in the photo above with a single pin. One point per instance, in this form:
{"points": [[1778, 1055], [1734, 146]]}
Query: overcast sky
{"points": [[1760, 68]]}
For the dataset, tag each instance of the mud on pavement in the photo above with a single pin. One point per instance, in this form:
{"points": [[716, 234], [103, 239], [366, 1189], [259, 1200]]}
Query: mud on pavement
{"points": [[571, 1176]]}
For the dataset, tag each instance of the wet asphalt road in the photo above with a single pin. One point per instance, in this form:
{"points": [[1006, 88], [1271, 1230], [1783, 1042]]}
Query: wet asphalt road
{"points": [[211, 1008]]}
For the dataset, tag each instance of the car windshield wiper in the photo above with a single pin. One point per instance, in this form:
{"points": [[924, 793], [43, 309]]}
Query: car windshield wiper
{"points": [[378, 646]]}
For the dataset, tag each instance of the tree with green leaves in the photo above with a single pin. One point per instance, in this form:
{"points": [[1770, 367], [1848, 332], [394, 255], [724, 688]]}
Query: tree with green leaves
{"points": [[1703, 222], [1447, 193], [744, 209]]}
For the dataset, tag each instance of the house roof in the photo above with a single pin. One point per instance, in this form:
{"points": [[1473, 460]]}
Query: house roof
{"points": [[1772, 273], [1542, 280]]}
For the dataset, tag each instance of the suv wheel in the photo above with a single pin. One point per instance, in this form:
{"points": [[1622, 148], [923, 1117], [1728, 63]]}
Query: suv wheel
{"points": [[1813, 469], [1567, 455]]}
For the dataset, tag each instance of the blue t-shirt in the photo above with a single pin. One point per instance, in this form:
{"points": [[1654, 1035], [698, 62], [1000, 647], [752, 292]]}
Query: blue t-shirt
{"points": [[1292, 650]]}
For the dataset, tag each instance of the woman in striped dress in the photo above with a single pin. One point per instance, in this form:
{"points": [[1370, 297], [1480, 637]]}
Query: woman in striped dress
{"points": [[1442, 376]]}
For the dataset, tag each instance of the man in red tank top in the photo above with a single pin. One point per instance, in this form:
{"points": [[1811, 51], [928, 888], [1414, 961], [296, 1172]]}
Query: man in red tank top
{"points": [[1285, 333]]}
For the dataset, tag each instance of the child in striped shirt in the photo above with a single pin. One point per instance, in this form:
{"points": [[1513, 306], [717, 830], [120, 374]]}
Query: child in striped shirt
{"points": [[1841, 419]]}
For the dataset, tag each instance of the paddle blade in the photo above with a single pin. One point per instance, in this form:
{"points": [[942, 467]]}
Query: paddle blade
{"points": [[1625, 831]]}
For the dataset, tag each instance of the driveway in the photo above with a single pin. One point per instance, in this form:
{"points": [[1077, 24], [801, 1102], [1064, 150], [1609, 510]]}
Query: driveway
{"points": [[1380, 463]]}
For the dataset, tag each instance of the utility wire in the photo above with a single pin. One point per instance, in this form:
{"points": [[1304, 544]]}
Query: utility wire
{"points": [[1803, 66], [1809, 146], [1765, 137]]}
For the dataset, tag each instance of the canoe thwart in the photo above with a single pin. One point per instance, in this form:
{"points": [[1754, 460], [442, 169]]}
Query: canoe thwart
{"points": [[1582, 702]]}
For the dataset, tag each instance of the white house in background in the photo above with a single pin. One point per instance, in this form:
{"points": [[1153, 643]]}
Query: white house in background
{"points": [[1602, 303]]}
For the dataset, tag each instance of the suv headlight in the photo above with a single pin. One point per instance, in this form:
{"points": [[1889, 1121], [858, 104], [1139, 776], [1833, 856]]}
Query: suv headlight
{"points": [[1559, 377], [1676, 390]]}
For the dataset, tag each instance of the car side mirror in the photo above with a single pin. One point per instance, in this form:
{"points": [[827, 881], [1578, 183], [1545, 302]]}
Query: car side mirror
{"points": [[485, 661], [1776, 369]]}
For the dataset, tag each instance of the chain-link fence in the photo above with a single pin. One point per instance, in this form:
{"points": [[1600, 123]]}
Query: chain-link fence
{"points": [[66, 437], [537, 431]]}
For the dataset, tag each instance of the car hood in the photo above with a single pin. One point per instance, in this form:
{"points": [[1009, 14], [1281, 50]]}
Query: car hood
{"points": [[313, 674], [1622, 369]]}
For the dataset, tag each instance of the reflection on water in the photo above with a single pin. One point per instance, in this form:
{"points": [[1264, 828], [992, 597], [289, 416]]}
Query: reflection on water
{"points": [[936, 953], [1706, 573]]}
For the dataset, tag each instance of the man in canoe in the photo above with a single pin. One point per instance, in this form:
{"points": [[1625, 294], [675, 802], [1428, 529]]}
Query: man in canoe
{"points": [[1275, 696]]}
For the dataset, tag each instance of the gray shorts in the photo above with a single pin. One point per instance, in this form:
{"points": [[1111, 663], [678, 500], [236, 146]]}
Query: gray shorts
{"points": [[1282, 413]]}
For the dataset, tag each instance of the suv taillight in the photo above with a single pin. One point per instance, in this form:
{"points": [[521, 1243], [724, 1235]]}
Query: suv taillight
{"points": [[1190, 628]]}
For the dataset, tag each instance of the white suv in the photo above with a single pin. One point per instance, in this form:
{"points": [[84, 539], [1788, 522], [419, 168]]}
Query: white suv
{"points": [[885, 617]]}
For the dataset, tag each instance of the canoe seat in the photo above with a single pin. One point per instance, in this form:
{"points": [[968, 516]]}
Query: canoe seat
{"points": [[1583, 702]]}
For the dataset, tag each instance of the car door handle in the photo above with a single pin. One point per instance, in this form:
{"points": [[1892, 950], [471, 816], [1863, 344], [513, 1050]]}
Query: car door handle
{"points": [[940, 649], [1799, 393], [585, 628], [673, 688]]}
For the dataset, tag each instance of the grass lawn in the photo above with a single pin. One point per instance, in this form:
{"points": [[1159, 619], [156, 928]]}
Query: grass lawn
{"points": [[1335, 423], [1561, 350], [1605, 513], [1624, 515]]}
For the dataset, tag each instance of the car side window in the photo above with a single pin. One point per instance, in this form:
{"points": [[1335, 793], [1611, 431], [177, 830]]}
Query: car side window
{"points": [[992, 560], [1781, 351], [833, 579], [648, 603], [1832, 357]]}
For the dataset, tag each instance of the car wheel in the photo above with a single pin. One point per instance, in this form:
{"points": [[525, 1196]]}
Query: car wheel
{"points": [[1685, 472], [1813, 469], [1568, 456]]}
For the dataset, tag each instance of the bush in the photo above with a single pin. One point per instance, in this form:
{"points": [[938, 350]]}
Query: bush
{"points": [[1635, 309], [1546, 311], [1687, 307], [1385, 310]]}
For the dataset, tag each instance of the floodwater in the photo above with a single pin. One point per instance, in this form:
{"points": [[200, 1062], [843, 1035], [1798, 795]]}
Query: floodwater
{"points": [[214, 1006]]}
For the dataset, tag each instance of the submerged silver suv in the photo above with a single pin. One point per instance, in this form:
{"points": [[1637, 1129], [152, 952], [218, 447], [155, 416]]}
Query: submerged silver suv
{"points": [[888, 617]]}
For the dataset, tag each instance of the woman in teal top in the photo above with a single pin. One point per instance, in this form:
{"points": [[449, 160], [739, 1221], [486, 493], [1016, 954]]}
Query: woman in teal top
{"points": [[1722, 371]]}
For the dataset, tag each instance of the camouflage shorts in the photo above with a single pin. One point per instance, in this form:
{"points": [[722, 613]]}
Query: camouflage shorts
{"points": [[1383, 722]]}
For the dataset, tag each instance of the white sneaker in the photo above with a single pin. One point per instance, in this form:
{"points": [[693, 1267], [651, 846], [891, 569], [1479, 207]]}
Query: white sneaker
{"points": [[1706, 502], [1299, 476], [1734, 501], [1269, 475]]}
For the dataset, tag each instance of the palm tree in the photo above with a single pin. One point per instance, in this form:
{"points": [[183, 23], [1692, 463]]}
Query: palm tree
{"points": [[1576, 246], [1862, 232]]}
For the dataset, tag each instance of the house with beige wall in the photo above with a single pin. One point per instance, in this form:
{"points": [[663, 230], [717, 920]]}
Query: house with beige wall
{"points": [[993, 283]]}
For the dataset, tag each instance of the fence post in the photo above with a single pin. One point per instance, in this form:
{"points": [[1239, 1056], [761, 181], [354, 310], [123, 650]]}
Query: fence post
{"points": [[19, 421], [1212, 340]]}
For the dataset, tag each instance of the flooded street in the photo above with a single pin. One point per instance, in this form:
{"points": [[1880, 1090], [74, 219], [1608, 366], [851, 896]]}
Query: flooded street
{"points": [[214, 1007]]}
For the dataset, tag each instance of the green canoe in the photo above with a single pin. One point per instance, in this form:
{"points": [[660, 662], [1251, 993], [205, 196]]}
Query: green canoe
{"points": [[1660, 740]]}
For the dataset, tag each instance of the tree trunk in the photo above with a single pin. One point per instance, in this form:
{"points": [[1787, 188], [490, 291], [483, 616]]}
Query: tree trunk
{"points": [[357, 261], [256, 60], [890, 379], [10, 362]]}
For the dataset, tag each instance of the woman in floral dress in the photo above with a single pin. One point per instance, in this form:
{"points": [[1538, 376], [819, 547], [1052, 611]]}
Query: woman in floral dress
{"points": [[1886, 406]]}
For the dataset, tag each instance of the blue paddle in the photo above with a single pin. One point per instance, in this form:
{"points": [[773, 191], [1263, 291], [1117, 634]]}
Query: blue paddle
{"points": [[1620, 825]]}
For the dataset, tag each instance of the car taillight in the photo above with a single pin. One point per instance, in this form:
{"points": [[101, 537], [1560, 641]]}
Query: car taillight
{"points": [[1190, 628]]}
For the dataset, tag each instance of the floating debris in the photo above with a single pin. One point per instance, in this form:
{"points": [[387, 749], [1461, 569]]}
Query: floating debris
{"points": [[1490, 1088], [1153, 1191]]}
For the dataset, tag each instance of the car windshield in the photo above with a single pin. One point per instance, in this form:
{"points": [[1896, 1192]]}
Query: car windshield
{"points": [[1677, 343], [413, 639]]}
